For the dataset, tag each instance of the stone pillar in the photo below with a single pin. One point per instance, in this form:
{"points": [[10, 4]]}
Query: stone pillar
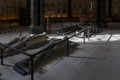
{"points": [[103, 13], [37, 15], [69, 9], [109, 8], [34, 13], [97, 12], [28, 4], [100, 13], [41, 12]]}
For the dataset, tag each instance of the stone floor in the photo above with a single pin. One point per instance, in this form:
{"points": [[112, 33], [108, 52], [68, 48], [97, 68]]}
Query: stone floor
{"points": [[98, 59]]}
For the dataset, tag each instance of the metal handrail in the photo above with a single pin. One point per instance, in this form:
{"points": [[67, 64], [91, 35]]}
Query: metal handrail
{"points": [[58, 43], [10, 47], [32, 56]]}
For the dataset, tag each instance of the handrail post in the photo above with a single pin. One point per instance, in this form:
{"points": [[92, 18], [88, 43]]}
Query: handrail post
{"points": [[84, 37], [49, 25], [67, 47], [20, 32], [62, 28], [88, 34], [2, 57], [32, 70]]}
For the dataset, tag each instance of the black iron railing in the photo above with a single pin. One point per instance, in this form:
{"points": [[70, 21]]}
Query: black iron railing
{"points": [[32, 56]]}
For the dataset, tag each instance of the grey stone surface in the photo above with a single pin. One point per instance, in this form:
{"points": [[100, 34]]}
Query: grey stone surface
{"points": [[98, 59]]}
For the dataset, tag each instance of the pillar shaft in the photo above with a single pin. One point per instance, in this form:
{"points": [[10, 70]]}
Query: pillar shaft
{"points": [[34, 13], [41, 12], [103, 13], [109, 8], [97, 12], [37, 16], [69, 9], [100, 13]]}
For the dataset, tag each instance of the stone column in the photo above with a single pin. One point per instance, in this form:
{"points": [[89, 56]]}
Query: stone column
{"points": [[103, 13], [41, 12], [37, 15], [109, 8], [100, 13], [69, 9], [97, 12]]}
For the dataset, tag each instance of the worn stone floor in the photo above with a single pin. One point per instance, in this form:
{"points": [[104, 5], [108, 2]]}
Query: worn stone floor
{"points": [[97, 59]]}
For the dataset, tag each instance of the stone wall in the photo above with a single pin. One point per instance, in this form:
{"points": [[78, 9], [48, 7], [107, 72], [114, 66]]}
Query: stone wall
{"points": [[9, 9], [57, 7]]}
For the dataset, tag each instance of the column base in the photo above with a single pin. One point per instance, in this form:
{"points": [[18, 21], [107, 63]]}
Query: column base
{"points": [[36, 30]]}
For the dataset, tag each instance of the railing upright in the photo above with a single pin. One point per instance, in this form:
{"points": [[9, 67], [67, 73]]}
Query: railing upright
{"points": [[84, 36], [2, 56], [67, 47], [88, 33], [32, 69], [20, 32]]}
